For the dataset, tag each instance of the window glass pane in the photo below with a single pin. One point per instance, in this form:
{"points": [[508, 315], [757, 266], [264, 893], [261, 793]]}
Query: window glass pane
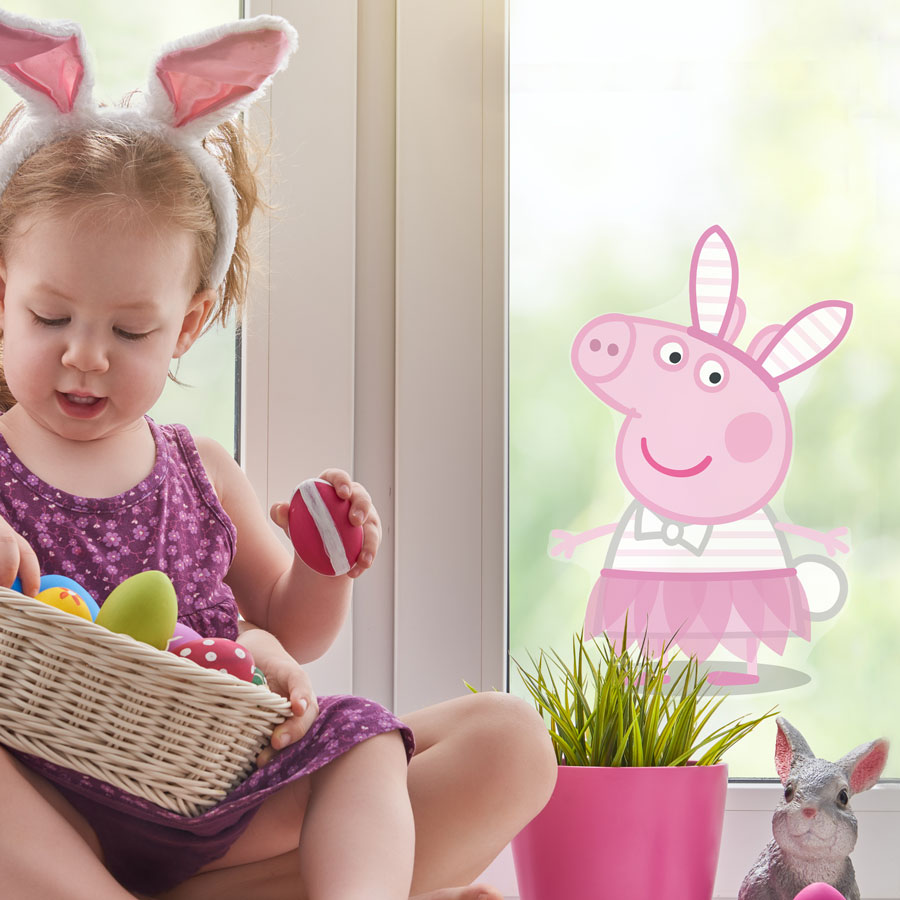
{"points": [[633, 128], [123, 39]]}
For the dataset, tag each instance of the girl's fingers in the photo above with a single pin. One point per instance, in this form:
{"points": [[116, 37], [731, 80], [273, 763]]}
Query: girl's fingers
{"points": [[371, 542], [279, 514], [17, 559], [340, 480], [29, 568]]}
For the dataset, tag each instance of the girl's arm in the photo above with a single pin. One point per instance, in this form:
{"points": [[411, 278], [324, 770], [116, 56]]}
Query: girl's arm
{"points": [[274, 588]]}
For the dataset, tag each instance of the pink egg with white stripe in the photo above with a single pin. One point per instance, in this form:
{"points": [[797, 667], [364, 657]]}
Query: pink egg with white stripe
{"points": [[220, 654], [321, 530]]}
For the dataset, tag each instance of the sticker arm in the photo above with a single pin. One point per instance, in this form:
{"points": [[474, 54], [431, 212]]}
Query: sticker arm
{"points": [[568, 542], [830, 540]]}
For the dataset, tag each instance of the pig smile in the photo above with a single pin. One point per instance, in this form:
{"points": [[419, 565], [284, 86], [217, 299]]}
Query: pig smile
{"points": [[675, 473]]}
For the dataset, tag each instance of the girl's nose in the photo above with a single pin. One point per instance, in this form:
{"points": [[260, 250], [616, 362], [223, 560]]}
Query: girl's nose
{"points": [[86, 355]]}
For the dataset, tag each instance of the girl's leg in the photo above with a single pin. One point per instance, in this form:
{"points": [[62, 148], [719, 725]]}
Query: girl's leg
{"points": [[46, 847], [484, 767], [358, 833]]}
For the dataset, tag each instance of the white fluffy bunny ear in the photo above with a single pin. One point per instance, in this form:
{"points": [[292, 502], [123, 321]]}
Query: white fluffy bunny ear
{"points": [[809, 337], [864, 765], [204, 79], [714, 281], [790, 746], [45, 63]]}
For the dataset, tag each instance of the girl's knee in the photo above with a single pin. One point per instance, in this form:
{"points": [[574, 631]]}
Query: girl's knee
{"points": [[509, 731]]}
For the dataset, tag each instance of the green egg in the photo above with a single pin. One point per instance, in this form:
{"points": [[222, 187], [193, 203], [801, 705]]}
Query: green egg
{"points": [[144, 606]]}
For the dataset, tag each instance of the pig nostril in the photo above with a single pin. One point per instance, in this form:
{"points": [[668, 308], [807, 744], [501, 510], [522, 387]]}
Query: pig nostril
{"points": [[613, 349], [595, 345]]}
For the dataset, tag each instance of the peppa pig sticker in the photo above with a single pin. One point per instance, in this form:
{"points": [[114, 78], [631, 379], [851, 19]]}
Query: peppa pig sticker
{"points": [[705, 446]]}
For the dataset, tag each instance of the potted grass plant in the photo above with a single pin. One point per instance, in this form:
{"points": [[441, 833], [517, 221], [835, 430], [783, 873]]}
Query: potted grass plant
{"points": [[639, 802]]}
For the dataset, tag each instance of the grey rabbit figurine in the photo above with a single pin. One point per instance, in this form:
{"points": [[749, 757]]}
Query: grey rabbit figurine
{"points": [[814, 828]]}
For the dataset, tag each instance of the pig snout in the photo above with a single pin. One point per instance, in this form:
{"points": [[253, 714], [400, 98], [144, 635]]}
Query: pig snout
{"points": [[603, 348]]}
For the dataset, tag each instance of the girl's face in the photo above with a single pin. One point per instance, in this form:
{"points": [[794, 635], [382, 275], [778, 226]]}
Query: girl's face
{"points": [[92, 314]]}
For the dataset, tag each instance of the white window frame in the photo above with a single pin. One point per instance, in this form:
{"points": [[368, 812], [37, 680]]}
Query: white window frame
{"points": [[390, 173]]}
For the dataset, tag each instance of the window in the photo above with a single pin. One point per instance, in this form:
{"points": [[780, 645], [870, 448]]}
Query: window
{"points": [[633, 129], [450, 135], [123, 40]]}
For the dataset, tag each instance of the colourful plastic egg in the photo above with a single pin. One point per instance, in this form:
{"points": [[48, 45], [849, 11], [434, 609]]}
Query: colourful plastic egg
{"points": [[819, 891], [66, 600], [182, 635], [321, 530], [60, 581], [220, 654], [144, 606], [259, 677]]}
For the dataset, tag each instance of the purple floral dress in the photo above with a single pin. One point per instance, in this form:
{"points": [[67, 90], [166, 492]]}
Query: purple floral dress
{"points": [[171, 521]]}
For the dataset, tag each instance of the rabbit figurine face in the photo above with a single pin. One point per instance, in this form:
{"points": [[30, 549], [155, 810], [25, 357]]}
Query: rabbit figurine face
{"points": [[814, 827]]}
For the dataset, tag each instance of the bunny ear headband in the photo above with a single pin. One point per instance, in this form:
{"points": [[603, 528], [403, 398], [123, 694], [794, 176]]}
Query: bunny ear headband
{"points": [[195, 84]]}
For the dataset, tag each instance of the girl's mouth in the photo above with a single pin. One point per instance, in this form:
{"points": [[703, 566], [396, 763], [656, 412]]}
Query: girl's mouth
{"points": [[675, 473], [81, 406]]}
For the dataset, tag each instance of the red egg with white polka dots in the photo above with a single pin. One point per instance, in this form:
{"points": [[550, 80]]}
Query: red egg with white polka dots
{"points": [[220, 654]]}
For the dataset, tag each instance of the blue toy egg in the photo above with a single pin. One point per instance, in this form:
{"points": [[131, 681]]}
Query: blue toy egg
{"points": [[60, 581]]}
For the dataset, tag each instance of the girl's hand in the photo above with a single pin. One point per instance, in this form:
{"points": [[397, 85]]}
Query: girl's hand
{"points": [[288, 678], [17, 558], [362, 512]]}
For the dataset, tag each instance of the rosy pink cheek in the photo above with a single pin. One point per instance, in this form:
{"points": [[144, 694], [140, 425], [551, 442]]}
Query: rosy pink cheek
{"points": [[748, 436]]}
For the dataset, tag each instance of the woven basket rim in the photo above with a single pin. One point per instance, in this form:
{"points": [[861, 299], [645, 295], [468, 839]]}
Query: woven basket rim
{"points": [[131, 647]]}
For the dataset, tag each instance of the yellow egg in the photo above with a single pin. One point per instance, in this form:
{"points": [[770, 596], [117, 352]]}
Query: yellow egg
{"points": [[144, 606], [66, 600]]}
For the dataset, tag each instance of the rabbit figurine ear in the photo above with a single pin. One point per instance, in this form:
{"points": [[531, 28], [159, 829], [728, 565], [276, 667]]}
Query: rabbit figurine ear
{"points": [[205, 78], [864, 765], [790, 747], [44, 62]]}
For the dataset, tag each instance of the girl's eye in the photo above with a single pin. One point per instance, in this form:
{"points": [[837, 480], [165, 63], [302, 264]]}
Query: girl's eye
{"points": [[50, 323], [131, 335], [671, 353], [712, 374], [843, 798]]}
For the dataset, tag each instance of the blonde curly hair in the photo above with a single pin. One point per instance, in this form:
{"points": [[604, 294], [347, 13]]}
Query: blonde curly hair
{"points": [[96, 171]]}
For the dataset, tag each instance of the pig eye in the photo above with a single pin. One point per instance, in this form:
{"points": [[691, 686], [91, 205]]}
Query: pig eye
{"points": [[712, 374], [671, 353]]}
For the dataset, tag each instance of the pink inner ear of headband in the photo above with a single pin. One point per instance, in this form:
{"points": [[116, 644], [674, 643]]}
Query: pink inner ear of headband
{"points": [[51, 65], [200, 80]]}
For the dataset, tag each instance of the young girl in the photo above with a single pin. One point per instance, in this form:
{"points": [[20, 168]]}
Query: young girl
{"points": [[122, 237]]}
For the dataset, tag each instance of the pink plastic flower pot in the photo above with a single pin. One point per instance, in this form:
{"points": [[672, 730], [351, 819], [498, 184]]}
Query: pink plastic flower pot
{"points": [[612, 834]]}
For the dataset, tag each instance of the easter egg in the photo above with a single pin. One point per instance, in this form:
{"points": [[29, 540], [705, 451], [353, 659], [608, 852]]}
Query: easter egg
{"points": [[182, 635], [321, 530], [220, 654], [60, 581], [819, 891], [144, 606], [66, 600]]}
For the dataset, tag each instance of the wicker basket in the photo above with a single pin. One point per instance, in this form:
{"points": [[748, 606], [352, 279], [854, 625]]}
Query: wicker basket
{"points": [[147, 721]]}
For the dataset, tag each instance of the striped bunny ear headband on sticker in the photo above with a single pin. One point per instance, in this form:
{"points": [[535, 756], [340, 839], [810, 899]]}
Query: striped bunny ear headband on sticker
{"points": [[195, 84]]}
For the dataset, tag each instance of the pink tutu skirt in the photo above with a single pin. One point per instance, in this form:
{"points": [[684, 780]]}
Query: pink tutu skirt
{"points": [[737, 610]]}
